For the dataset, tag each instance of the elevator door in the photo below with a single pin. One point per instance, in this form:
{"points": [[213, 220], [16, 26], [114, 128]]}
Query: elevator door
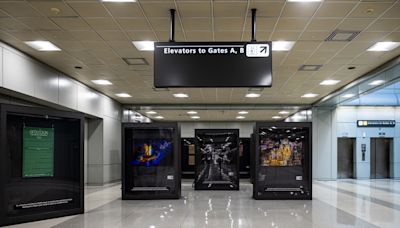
{"points": [[380, 157], [346, 147]]}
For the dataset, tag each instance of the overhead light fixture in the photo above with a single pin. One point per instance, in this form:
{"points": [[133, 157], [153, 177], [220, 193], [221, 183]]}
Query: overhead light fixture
{"points": [[282, 45], [195, 117], [284, 112], [151, 112], [342, 35], [135, 61], [240, 117], [377, 82], [304, 0], [349, 95], [118, 0], [42, 45], [276, 117], [159, 117], [384, 46], [329, 82], [310, 67], [309, 95], [243, 112], [101, 82], [252, 95], [181, 95], [191, 112], [144, 45], [122, 95]]}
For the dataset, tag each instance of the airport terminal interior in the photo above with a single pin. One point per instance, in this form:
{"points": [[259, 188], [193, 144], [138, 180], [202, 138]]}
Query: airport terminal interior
{"points": [[199, 113]]}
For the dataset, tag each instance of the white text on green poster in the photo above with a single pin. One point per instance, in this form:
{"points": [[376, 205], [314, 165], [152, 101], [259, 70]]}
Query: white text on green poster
{"points": [[38, 152]]}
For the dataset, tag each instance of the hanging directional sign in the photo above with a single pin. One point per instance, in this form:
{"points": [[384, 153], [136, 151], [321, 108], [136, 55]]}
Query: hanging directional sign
{"points": [[215, 64]]}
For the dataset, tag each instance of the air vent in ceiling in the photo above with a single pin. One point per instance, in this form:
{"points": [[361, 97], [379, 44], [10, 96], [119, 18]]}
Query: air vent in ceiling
{"points": [[309, 67], [135, 61], [342, 35]]}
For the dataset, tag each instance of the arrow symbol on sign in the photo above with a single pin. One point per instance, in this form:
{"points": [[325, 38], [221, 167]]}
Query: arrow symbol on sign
{"points": [[263, 49]]}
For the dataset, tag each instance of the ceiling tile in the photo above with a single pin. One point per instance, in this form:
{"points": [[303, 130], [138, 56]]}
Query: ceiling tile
{"points": [[134, 23], [39, 23], [229, 9], [227, 23], [102, 23], [124, 9], [190, 24], [53, 8], [323, 24], [71, 23], [157, 8], [195, 9], [266, 8], [89, 9], [369, 9], [335, 9], [384, 25], [19, 9], [297, 24], [300, 9]]}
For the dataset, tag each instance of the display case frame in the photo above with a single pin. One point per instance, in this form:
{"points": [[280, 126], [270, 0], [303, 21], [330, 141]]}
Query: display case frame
{"points": [[40, 113], [176, 194], [304, 189], [187, 169], [198, 185]]}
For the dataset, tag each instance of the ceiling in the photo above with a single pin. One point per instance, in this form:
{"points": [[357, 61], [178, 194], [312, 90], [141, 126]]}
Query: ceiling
{"points": [[97, 35]]}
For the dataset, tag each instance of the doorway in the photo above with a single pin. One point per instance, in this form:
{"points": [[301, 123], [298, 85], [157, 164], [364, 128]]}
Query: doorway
{"points": [[346, 148], [380, 157]]}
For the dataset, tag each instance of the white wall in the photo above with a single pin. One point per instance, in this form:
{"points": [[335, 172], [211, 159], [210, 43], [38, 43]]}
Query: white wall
{"points": [[245, 128], [25, 78]]}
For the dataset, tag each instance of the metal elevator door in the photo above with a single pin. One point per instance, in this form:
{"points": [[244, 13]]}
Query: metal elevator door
{"points": [[380, 157], [346, 147]]}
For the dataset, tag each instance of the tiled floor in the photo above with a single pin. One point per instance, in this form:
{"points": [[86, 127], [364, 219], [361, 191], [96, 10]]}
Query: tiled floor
{"points": [[345, 203]]}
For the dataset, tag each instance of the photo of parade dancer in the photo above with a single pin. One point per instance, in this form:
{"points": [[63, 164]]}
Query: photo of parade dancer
{"points": [[217, 159]]}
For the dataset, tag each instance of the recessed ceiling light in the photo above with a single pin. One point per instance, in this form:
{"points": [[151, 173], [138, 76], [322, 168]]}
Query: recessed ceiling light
{"points": [[181, 95], [122, 95], [384, 46], [102, 82], [135, 61], [349, 95], [151, 112], [282, 45], [240, 117], [309, 95], [252, 95], [195, 117], [118, 0], [243, 112], [284, 112], [377, 82], [191, 112], [144, 45], [329, 82], [276, 117], [159, 117], [42, 45], [310, 67], [304, 0]]}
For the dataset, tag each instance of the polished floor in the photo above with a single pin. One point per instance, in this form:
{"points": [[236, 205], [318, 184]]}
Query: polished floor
{"points": [[345, 203]]}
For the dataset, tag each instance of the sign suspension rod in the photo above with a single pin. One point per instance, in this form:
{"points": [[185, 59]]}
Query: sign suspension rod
{"points": [[253, 25], [172, 26]]}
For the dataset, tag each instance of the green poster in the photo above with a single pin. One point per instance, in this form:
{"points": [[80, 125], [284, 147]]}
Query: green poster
{"points": [[38, 152]]}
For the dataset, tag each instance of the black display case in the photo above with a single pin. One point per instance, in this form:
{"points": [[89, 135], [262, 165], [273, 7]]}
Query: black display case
{"points": [[217, 159], [151, 167], [41, 164], [188, 161], [283, 161]]}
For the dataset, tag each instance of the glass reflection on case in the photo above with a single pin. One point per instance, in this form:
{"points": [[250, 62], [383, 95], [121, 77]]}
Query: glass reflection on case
{"points": [[151, 152]]}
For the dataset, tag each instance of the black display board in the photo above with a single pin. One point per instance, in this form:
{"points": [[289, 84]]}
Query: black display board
{"points": [[244, 157], [41, 164], [217, 159], [212, 64], [151, 167], [283, 161], [188, 161]]}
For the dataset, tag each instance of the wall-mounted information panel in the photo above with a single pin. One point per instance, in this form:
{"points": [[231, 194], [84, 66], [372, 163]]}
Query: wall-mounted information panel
{"points": [[212, 64], [282, 161], [217, 159], [376, 123], [151, 161], [41, 164]]}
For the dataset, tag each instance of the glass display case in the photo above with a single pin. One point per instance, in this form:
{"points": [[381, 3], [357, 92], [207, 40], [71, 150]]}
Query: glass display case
{"points": [[151, 161], [41, 164], [217, 159], [282, 161], [188, 157]]}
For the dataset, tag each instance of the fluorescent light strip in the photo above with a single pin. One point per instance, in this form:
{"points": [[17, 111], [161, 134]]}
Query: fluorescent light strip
{"points": [[240, 117], [144, 45], [349, 95], [122, 95], [276, 117], [384, 46], [252, 95], [284, 112], [195, 117], [101, 82], [377, 82], [304, 0], [181, 95], [243, 112], [42, 45], [282, 45], [309, 95], [159, 117], [329, 82], [118, 0], [151, 112], [191, 112]]}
